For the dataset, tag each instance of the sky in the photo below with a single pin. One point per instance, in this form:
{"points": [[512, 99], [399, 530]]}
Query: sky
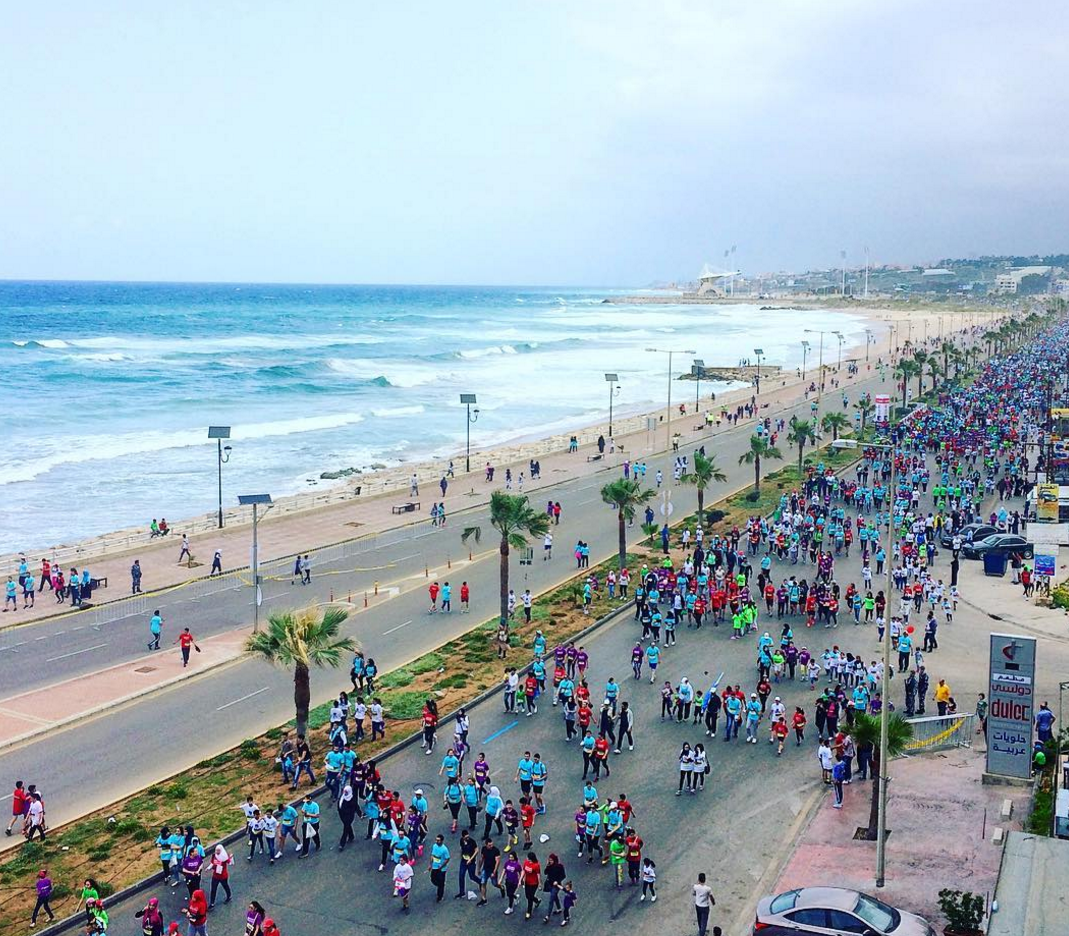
{"points": [[599, 142]]}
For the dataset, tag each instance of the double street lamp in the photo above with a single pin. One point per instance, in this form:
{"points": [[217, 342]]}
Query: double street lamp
{"points": [[669, 352], [885, 709], [612, 380], [760, 353], [805, 354], [697, 369], [219, 433], [468, 400], [255, 501]]}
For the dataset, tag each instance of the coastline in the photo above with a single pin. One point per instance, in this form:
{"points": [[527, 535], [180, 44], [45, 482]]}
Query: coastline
{"points": [[515, 452]]}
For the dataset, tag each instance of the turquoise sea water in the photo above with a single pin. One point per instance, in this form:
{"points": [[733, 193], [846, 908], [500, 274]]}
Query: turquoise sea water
{"points": [[109, 387]]}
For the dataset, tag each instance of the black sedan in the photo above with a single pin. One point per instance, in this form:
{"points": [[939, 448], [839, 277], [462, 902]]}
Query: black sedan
{"points": [[969, 533], [1004, 544]]}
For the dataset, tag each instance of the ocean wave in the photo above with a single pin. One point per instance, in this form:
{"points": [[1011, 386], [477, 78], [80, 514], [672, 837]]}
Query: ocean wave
{"points": [[392, 411], [79, 449], [40, 343]]}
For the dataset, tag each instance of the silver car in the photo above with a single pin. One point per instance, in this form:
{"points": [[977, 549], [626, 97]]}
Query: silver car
{"points": [[834, 911]]}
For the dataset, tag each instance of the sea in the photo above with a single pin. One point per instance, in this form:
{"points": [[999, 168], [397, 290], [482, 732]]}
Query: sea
{"points": [[110, 387]]}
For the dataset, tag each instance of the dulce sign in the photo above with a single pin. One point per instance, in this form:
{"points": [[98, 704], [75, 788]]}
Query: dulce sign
{"points": [[1011, 692]]}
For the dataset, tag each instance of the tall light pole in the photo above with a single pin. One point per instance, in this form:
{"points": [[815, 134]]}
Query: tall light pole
{"points": [[255, 501], [468, 400], [805, 353], [612, 380], [885, 709], [842, 288], [732, 271], [839, 335], [866, 272], [759, 352], [868, 341], [223, 456], [697, 369], [669, 352], [820, 362]]}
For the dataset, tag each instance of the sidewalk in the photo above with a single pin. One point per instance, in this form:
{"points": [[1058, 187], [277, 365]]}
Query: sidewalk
{"points": [[940, 834], [286, 533], [41, 710]]}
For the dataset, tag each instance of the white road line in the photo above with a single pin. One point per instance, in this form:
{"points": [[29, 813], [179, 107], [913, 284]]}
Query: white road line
{"points": [[59, 634], [75, 653], [73, 629], [273, 597], [9, 796], [243, 698], [421, 535], [43, 637], [403, 558], [397, 628]]}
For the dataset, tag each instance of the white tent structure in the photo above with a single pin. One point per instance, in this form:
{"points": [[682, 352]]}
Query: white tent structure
{"points": [[709, 280]]}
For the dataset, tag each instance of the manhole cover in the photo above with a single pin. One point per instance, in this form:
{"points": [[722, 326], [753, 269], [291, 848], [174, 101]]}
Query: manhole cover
{"points": [[145, 669], [354, 523]]}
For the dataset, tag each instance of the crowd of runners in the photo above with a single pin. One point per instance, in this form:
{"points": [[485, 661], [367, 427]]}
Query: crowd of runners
{"points": [[806, 588]]}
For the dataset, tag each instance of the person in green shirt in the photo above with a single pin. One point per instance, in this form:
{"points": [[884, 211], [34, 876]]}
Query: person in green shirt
{"points": [[88, 894], [618, 855]]}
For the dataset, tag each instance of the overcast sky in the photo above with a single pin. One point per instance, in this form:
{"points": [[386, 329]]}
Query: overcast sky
{"points": [[579, 141]]}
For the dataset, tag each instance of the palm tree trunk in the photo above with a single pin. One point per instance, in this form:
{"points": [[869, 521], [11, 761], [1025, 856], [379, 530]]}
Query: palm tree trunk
{"points": [[302, 696], [504, 580], [701, 504], [757, 475], [801, 449], [874, 806]]}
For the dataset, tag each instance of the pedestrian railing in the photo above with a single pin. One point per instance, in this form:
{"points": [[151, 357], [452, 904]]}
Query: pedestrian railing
{"points": [[938, 732]]}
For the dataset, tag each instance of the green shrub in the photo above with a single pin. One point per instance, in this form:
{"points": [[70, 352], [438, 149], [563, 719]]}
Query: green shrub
{"points": [[403, 706], [178, 790], [428, 663], [249, 750], [397, 679], [456, 681]]}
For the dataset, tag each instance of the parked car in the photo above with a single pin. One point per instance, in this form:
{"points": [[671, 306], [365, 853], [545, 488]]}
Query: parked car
{"points": [[834, 911], [969, 533], [1005, 544]]}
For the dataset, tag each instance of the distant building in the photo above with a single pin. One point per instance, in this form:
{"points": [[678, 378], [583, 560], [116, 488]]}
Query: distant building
{"points": [[1009, 283], [711, 282]]}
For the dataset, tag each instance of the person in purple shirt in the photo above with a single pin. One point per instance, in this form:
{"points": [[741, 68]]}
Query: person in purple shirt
{"points": [[510, 875], [44, 894]]}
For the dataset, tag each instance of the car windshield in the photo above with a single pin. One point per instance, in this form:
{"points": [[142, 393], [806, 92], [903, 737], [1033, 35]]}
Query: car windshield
{"points": [[876, 914], [784, 902], [991, 540]]}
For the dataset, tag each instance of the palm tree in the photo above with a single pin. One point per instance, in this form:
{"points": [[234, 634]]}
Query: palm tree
{"points": [[934, 372], [990, 338], [866, 731], [834, 423], [904, 371], [705, 473], [947, 349], [759, 448], [865, 408], [302, 639], [514, 518], [651, 530], [625, 495], [800, 433], [920, 359]]}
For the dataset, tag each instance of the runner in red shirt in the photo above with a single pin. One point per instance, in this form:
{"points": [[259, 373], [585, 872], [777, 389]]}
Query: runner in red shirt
{"points": [[433, 591], [527, 819], [634, 854], [532, 875], [464, 595], [20, 803], [185, 641]]}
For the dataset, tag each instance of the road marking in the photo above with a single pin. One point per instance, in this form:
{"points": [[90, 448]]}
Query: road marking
{"points": [[243, 698], [421, 535], [43, 637], [279, 595], [73, 629], [403, 558], [500, 732], [75, 653], [59, 634], [397, 628]]}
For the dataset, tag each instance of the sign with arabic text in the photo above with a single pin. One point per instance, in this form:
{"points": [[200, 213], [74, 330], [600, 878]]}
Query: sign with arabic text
{"points": [[1011, 692]]}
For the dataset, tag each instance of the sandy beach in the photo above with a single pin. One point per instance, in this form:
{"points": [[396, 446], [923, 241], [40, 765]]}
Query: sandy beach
{"points": [[890, 328]]}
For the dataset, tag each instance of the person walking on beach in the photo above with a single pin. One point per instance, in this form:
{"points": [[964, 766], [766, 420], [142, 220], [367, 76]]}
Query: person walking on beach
{"points": [[413, 485]]}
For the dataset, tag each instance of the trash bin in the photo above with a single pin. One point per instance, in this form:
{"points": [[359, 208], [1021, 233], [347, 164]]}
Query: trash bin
{"points": [[994, 563]]}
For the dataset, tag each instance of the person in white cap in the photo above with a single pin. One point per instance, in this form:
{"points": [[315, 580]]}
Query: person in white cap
{"points": [[777, 712]]}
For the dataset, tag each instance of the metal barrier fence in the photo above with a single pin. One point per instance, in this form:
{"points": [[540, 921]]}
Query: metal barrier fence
{"points": [[936, 732]]}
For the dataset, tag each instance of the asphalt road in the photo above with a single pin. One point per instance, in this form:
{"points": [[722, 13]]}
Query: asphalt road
{"points": [[158, 736]]}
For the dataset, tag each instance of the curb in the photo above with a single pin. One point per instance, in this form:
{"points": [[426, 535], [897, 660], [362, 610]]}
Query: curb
{"points": [[78, 919]]}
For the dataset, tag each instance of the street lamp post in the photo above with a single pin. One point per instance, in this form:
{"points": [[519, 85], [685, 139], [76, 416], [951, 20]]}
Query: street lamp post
{"points": [[467, 400], [805, 353], [868, 341], [612, 380], [697, 369], [839, 335], [223, 456], [255, 501], [885, 709], [820, 362], [669, 352], [758, 352]]}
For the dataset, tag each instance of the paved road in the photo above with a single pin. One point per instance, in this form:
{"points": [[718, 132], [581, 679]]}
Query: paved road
{"points": [[249, 697]]}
